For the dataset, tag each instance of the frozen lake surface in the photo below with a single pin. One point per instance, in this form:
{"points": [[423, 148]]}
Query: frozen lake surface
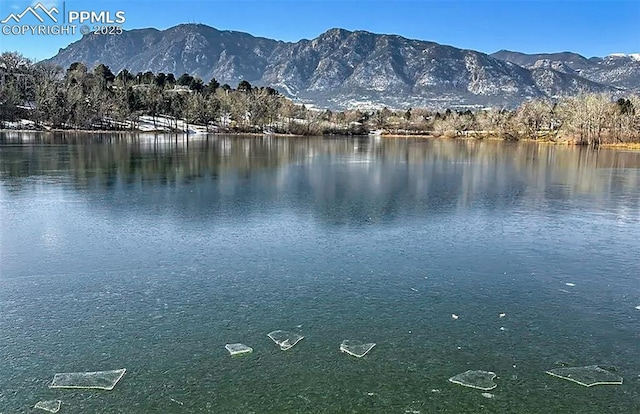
{"points": [[153, 253]]}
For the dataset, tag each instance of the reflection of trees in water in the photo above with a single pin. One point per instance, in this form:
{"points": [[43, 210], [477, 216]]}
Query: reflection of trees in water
{"points": [[354, 180]]}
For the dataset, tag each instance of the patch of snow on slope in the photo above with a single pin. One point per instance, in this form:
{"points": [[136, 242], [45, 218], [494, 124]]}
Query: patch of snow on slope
{"points": [[286, 88]]}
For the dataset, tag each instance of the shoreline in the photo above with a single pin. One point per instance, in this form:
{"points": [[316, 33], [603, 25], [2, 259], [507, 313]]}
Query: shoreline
{"points": [[568, 142], [134, 132]]}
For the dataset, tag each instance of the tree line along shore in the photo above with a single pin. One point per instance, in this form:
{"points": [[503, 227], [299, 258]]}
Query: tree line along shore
{"points": [[44, 96]]}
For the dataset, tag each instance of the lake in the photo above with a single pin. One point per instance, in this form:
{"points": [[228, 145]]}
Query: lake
{"points": [[151, 253]]}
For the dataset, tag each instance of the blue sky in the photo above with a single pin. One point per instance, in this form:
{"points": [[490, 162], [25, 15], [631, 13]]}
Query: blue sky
{"points": [[591, 28]]}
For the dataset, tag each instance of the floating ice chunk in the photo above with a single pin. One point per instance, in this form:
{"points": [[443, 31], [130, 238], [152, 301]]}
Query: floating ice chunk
{"points": [[587, 376], [356, 348], [481, 380], [284, 339], [454, 316], [102, 380], [238, 349], [52, 406]]}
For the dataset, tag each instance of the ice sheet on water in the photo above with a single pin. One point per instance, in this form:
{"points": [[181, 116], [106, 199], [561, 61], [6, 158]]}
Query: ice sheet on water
{"points": [[587, 376], [285, 339], [238, 349], [356, 348], [102, 380], [481, 380], [52, 406]]}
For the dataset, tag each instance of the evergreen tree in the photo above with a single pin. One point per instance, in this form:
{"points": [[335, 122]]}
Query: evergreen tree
{"points": [[185, 80], [212, 86], [244, 86], [196, 84], [103, 73], [160, 80], [125, 76]]}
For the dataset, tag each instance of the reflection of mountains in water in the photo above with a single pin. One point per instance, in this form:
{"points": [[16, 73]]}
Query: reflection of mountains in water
{"points": [[348, 179]]}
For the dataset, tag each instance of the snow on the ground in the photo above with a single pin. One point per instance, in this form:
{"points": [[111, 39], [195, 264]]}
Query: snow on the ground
{"points": [[149, 123], [145, 124], [21, 124]]}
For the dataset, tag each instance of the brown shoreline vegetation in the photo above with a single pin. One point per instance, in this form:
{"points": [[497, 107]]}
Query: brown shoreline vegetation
{"points": [[36, 96]]}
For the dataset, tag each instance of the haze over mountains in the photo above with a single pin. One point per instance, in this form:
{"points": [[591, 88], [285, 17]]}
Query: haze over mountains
{"points": [[342, 68]]}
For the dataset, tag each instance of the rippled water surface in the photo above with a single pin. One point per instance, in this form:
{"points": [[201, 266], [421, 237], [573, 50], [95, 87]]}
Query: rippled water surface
{"points": [[152, 253]]}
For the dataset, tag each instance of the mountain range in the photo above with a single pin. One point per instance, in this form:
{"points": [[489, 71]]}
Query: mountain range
{"points": [[342, 69]]}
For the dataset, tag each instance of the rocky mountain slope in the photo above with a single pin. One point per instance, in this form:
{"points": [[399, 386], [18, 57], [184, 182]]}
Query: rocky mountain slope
{"points": [[341, 68], [618, 70]]}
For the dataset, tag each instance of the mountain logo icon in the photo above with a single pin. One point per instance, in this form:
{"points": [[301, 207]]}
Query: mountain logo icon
{"points": [[38, 11]]}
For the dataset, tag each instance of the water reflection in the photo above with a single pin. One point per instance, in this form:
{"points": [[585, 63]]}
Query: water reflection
{"points": [[355, 179]]}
